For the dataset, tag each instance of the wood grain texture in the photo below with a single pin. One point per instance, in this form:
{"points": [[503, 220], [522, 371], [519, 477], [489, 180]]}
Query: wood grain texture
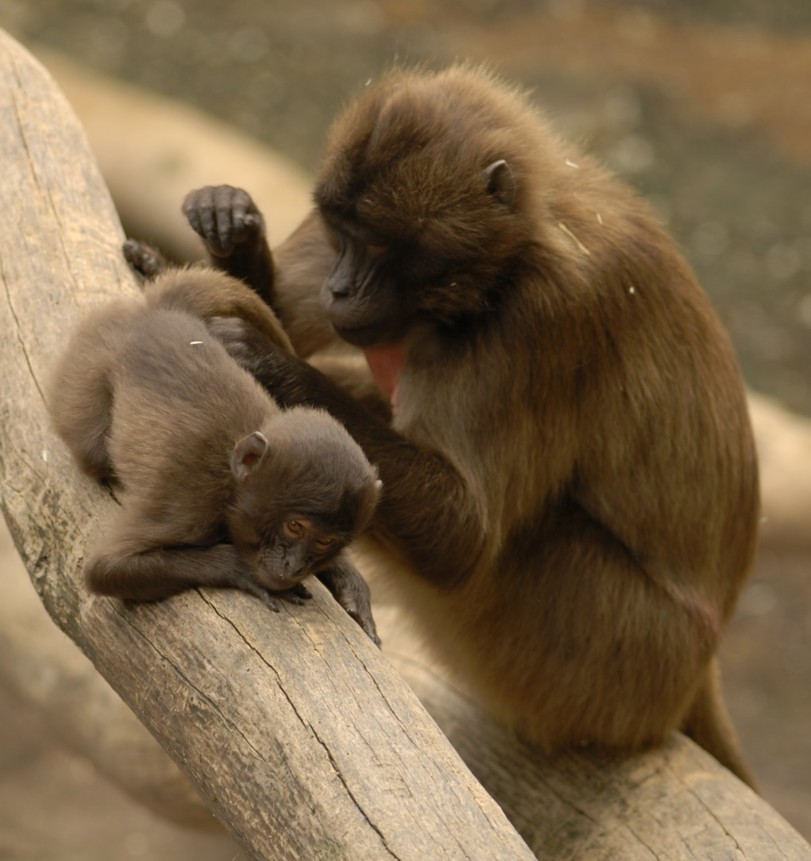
{"points": [[673, 803], [45, 671], [296, 731]]}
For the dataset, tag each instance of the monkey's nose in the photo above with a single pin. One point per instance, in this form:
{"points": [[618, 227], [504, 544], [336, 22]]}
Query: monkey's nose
{"points": [[340, 291]]}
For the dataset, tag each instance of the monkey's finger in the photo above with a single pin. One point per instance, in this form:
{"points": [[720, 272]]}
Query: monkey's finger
{"points": [[254, 223], [229, 214], [198, 207], [298, 595], [237, 215], [207, 212], [302, 591], [367, 623], [205, 224], [269, 601], [361, 612]]}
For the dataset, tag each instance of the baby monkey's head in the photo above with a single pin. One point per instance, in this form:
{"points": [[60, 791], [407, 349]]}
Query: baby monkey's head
{"points": [[303, 490]]}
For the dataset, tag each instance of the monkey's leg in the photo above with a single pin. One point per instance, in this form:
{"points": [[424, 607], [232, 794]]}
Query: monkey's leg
{"points": [[613, 652], [86, 430], [80, 396], [144, 259], [351, 591]]}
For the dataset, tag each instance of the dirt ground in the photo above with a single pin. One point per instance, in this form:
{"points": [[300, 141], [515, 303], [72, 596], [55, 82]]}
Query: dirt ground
{"points": [[704, 109]]}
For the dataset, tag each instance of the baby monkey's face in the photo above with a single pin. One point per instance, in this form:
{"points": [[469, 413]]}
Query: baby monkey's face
{"points": [[302, 546], [302, 489], [284, 553]]}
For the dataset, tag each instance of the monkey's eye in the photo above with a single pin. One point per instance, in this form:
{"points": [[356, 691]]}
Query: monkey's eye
{"points": [[334, 238], [324, 543], [293, 529], [377, 250]]}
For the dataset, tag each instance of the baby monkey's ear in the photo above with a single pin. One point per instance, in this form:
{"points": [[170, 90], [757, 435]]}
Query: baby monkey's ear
{"points": [[248, 454]]}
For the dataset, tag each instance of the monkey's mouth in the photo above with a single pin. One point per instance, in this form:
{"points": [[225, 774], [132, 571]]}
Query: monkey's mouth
{"points": [[276, 575], [357, 336], [386, 364]]}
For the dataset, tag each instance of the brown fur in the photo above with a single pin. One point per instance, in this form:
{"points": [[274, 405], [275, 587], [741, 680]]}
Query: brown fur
{"points": [[571, 492], [214, 296], [213, 471]]}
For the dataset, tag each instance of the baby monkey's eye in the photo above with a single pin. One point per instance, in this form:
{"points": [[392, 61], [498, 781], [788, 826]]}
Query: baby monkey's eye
{"points": [[293, 529]]}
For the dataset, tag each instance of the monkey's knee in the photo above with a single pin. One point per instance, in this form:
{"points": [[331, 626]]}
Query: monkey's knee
{"points": [[95, 461], [101, 577], [122, 576]]}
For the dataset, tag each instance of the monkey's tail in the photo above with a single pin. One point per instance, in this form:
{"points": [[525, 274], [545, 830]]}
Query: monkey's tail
{"points": [[708, 723]]}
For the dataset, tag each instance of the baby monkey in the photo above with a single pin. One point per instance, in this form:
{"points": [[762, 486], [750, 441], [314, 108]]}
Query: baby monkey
{"points": [[221, 487]]}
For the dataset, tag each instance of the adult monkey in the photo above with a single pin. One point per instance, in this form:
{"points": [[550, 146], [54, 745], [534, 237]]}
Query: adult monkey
{"points": [[571, 492]]}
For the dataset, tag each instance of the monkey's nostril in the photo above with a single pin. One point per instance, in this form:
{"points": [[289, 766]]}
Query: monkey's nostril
{"points": [[340, 291]]}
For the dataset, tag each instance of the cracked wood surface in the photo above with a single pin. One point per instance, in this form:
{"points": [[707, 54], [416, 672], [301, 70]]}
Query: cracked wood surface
{"points": [[296, 731]]}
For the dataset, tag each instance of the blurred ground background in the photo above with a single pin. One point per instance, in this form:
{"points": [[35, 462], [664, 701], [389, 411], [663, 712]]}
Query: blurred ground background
{"points": [[703, 106]]}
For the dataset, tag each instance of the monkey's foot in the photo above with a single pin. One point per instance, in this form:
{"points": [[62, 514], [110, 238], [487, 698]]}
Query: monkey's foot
{"points": [[143, 258]]}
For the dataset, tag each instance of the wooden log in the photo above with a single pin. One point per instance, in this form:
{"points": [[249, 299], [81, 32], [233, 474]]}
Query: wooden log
{"points": [[43, 669], [674, 802], [279, 720], [295, 729]]}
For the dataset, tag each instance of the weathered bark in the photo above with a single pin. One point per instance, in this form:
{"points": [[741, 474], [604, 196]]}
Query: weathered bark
{"points": [[43, 669], [673, 803], [295, 730]]}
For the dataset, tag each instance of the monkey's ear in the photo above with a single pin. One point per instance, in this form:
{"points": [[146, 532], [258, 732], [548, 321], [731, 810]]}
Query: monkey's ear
{"points": [[247, 454], [500, 182]]}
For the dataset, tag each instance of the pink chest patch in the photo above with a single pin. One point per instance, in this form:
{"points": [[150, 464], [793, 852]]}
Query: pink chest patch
{"points": [[386, 364]]}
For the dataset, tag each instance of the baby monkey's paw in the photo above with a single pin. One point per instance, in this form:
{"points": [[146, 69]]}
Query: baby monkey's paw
{"points": [[144, 259], [298, 595]]}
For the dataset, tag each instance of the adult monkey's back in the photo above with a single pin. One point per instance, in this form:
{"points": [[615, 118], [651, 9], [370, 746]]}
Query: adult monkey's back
{"points": [[570, 485]]}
